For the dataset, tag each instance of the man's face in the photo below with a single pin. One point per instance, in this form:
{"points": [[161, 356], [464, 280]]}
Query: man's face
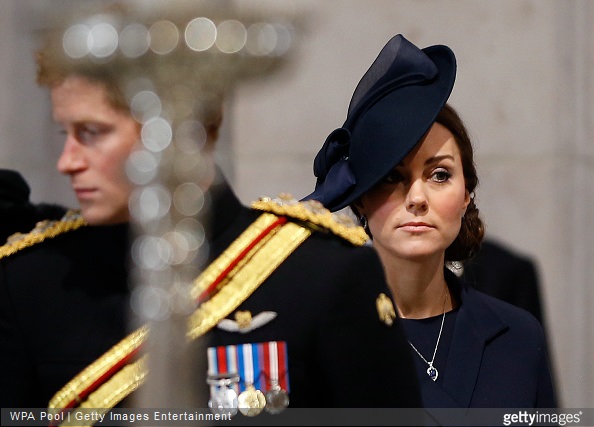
{"points": [[99, 139]]}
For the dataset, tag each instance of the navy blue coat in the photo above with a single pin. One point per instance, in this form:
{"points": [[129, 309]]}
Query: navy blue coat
{"points": [[497, 357]]}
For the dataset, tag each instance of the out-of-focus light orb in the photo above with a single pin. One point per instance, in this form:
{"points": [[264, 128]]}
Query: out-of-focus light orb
{"points": [[188, 199], [284, 34], [190, 136], [231, 36], [193, 232], [200, 34], [142, 167], [156, 134], [179, 245], [151, 302], [75, 41], [145, 105], [134, 40], [164, 37], [150, 203], [261, 39], [151, 252], [103, 40]]}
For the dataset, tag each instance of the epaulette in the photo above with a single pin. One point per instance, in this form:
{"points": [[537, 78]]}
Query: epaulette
{"points": [[313, 212], [43, 230]]}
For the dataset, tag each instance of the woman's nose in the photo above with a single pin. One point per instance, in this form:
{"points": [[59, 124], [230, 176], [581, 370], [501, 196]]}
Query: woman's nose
{"points": [[416, 198]]}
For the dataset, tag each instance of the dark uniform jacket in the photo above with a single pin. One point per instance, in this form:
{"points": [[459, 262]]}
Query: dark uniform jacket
{"points": [[497, 357], [63, 305], [17, 213]]}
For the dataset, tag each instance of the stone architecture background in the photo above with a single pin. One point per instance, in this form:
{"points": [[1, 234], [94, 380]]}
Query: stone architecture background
{"points": [[524, 88]]}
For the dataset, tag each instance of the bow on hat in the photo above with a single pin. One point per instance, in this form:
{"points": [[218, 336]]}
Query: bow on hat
{"points": [[343, 165], [332, 164]]}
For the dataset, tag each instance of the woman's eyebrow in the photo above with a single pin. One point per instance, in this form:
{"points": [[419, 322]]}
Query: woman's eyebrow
{"points": [[436, 159]]}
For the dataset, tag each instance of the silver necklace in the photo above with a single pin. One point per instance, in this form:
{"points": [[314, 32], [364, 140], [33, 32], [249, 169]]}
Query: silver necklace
{"points": [[432, 370]]}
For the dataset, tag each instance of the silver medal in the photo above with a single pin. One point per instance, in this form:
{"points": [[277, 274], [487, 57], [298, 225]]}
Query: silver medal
{"points": [[277, 400], [223, 399]]}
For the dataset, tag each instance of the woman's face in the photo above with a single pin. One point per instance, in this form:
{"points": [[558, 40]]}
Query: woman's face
{"points": [[416, 211], [98, 141]]}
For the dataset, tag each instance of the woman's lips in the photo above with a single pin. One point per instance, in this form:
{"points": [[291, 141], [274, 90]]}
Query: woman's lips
{"points": [[416, 226]]}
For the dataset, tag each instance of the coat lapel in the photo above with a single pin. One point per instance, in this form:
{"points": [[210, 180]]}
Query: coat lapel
{"points": [[475, 326]]}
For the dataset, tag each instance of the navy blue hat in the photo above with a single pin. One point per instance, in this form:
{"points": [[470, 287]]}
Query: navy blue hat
{"points": [[393, 106]]}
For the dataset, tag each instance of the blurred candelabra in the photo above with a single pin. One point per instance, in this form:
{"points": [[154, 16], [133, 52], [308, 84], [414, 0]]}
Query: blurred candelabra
{"points": [[173, 61]]}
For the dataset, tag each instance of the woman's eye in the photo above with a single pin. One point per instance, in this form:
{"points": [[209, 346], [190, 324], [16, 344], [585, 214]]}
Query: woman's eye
{"points": [[441, 175], [393, 177]]}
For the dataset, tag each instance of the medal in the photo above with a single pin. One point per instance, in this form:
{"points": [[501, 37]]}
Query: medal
{"points": [[251, 401], [223, 399], [223, 380], [249, 378], [277, 399]]}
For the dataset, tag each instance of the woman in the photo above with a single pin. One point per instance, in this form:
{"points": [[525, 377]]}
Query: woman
{"points": [[403, 162]]}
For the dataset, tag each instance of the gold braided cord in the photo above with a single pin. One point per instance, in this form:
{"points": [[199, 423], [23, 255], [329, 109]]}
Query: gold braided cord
{"points": [[125, 382], [313, 212], [242, 284], [104, 399], [75, 387], [43, 230], [215, 268], [243, 280]]}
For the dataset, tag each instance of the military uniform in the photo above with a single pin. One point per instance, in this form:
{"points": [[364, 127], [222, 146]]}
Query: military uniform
{"points": [[17, 213], [340, 353], [63, 303]]}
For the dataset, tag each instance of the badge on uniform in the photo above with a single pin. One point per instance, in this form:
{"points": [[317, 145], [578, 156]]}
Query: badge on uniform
{"points": [[249, 378], [244, 322], [385, 309]]}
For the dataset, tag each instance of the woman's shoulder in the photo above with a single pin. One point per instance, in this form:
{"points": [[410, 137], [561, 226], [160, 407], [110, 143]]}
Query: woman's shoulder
{"points": [[513, 316]]}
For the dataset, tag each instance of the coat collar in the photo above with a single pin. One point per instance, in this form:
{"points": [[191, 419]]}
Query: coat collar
{"points": [[476, 325]]}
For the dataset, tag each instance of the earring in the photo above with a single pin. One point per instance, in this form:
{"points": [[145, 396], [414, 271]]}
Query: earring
{"points": [[363, 221]]}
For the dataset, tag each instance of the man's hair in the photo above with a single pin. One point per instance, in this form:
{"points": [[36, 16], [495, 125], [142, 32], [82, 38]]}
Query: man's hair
{"points": [[53, 69]]}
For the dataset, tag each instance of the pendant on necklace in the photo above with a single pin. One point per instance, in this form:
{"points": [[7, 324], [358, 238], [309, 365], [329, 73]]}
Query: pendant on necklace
{"points": [[432, 372]]}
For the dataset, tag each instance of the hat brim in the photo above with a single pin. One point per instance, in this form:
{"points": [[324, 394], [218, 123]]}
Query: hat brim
{"points": [[395, 124]]}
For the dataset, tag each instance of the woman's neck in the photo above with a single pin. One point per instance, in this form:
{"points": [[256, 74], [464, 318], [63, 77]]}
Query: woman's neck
{"points": [[418, 286]]}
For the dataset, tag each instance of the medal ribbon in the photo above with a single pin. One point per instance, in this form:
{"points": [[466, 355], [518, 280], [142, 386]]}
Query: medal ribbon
{"points": [[261, 364], [279, 372]]}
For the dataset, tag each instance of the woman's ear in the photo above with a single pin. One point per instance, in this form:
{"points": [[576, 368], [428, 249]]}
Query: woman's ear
{"points": [[358, 208], [467, 199]]}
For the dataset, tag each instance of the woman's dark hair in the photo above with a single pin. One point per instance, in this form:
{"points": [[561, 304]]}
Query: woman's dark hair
{"points": [[469, 239]]}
